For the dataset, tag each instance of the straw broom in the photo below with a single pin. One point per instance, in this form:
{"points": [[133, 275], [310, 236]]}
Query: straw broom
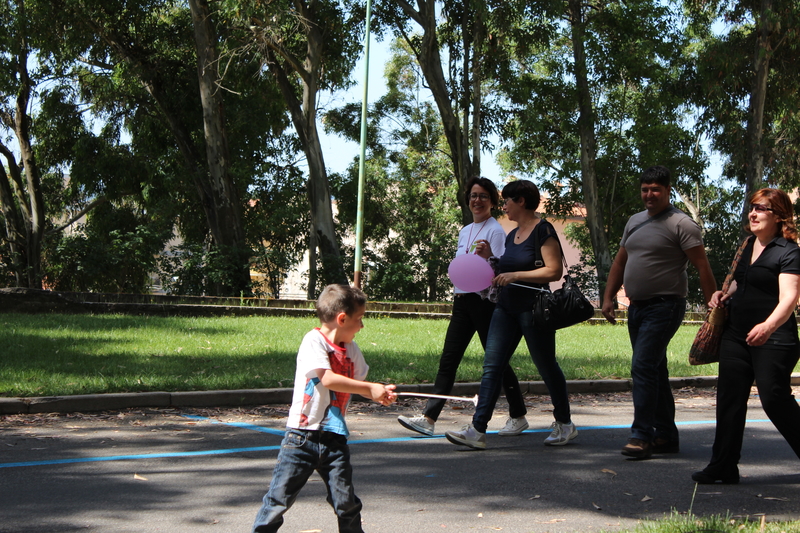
{"points": [[705, 348]]}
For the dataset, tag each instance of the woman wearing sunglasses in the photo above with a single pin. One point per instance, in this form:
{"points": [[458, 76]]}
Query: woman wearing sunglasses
{"points": [[760, 342]]}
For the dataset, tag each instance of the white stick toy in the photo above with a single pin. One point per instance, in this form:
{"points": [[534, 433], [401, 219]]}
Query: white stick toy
{"points": [[531, 288], [474, 399]]}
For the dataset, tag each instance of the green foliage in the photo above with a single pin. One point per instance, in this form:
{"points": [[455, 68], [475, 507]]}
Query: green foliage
{"points": [[719, 80], [666, 88], [99, 259], [719, 209], [631, 48], [195, 270], [277, 218], [584, 272]]}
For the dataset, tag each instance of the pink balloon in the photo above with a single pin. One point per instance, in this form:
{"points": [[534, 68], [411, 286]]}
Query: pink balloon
{"points": [[470, 273]]}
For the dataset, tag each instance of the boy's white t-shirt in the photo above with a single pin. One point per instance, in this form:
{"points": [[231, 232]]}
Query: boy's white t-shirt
{"points": [[315, 407]]}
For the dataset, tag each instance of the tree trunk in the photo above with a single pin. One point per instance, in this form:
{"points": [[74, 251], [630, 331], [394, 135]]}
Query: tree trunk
{"points": [[311, 290], [34, 206], [430, 62], [477, 96], [14, 232], [304, 119], [229, 229], [586, 129], [754, 173]]}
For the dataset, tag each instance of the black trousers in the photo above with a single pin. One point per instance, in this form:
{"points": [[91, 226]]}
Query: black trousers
{"points": [[771, 367], [471, 314]]}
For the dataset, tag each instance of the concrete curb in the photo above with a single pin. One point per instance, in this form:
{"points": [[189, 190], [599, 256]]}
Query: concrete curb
{"points": [[238, 398]]}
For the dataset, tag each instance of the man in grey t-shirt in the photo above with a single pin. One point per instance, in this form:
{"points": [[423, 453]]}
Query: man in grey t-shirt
{"points": [[656, 247]]}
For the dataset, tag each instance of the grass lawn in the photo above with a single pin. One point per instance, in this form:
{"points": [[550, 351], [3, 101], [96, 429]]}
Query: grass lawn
{"points": [[689, 523], [53, 354]]}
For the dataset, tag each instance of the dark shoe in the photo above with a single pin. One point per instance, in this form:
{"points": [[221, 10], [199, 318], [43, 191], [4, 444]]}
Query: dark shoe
{"points": [[662, 445], [638, 448], [704, 478]]}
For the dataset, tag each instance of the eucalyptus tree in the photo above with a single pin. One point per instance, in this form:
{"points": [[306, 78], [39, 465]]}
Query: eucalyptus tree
{"points": [[594, 105], [450, 43], [42, 124], [21, 188], [745, 85], [142, 50], [307, 46]]}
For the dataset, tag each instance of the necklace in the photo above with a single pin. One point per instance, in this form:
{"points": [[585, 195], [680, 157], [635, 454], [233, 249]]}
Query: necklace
{"points": [[470, 242], [524, 231]]}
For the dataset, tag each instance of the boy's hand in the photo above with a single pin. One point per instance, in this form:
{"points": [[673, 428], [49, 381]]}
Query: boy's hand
{"points": [[383, 394]]}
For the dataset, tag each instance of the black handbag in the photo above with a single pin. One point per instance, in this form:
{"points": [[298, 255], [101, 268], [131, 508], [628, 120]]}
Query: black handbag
{"points": [[563, 307]]}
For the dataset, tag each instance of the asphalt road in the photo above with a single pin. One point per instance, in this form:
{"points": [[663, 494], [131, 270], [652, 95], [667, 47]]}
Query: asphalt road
{"points": [[165, 470]]}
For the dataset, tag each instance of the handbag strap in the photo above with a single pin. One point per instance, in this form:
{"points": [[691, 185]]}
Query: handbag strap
{"points": [[729, 278], [538, 260]]}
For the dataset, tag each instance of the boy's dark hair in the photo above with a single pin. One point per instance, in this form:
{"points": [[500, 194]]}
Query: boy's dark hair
{"points": [[523, 189], [336, 299], [656, 174], [485, 183]]}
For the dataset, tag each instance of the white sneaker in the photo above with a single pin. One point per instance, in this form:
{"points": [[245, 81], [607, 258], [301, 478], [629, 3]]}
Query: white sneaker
{"points": [[467, 437], [562, 434], [513, 427], [419, 424]]}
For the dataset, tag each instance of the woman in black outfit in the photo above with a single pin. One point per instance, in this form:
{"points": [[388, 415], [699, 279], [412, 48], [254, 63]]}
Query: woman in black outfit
{"points": [[472, 312], [760, 341]]}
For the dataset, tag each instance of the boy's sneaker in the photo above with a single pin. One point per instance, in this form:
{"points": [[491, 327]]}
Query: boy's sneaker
{"points": [[419, 424], [562, 434], [467, 437], [513, 427]]}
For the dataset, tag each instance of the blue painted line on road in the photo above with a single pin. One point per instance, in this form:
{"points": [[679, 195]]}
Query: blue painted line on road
{"points": [[139, 457], [241, 425]]}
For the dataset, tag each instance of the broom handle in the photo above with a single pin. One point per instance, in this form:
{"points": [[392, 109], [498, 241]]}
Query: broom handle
{"points": [[729, 278]]}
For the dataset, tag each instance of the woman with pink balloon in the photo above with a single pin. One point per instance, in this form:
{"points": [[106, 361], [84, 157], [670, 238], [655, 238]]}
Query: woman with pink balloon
{"points": [[472, 310], [531, 259]]}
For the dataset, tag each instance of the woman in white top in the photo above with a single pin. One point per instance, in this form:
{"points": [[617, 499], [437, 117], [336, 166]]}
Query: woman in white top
{"points": [[472, 312]]}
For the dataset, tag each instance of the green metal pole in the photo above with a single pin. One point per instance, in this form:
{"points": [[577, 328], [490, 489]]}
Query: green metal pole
{"points": [[362, 159]]}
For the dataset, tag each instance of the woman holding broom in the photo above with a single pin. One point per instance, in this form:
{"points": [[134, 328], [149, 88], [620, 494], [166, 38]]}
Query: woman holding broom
{"points": [[760, 341]]}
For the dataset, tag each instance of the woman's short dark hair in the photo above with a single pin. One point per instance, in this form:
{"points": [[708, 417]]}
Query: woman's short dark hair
{"points": [[523, 189], [781, 206], [484, 183]]}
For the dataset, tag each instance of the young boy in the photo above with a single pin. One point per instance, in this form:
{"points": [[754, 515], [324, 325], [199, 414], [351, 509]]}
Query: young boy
{"points": [[330, 367]]}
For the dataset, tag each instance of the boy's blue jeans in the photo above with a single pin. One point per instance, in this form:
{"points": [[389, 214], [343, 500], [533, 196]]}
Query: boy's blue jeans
{"points": [[301, 453], [651, 328]]}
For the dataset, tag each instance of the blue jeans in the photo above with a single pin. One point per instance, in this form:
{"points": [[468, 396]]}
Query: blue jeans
{"points": [[651, 328], [301, 453], [471, 314], [505, 332]]}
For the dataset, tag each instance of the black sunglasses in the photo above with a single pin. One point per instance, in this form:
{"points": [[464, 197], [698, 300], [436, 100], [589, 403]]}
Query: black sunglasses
{"points": [[761, 208]]}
